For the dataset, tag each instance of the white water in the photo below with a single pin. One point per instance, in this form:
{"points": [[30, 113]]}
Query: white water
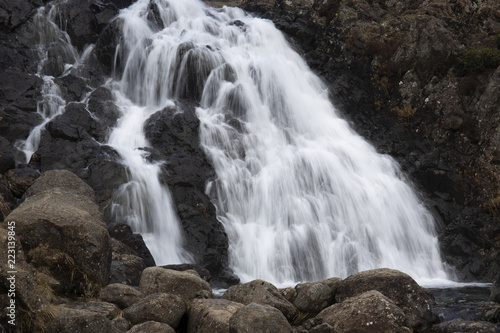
{"points": [[301, 196], [57, 58]]}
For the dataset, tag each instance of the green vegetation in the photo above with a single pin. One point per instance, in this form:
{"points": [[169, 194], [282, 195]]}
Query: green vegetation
{"points": [[476, 61]]}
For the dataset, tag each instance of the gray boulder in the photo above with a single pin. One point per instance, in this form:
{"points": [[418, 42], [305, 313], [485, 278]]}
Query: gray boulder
{"points": [[366, 313], [60, 226], [315, 296], [78, 320], [120, 294], [258, 318], [414, 300], [211, 315], [184, 284], [261, 292], [151, 327], [163, 308]]}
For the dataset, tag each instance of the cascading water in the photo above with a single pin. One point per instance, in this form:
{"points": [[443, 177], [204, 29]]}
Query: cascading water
{"points": [[301, 196], [57, 57]]}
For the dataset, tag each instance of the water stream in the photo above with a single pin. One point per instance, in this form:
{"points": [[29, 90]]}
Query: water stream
{"points": [[300, 194]]}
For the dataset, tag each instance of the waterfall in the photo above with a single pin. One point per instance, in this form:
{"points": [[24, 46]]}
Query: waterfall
{"points": [[57, 58], [301, 196]]}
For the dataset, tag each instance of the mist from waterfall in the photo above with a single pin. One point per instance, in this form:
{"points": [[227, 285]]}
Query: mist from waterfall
{"points": [[301, 196]]}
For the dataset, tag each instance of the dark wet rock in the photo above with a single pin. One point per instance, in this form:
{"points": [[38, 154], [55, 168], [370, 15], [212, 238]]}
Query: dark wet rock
{"points": [[85, 22], [211, 315], [124, 234], [151, 327], [61, 227], [173, 131], [105, 49], [19, 180], [13, 14], [399, 287], [160, 307], [120, 294], [258, 318], [7, 199], [126, 269], [126, 265], [161, 280], [261, 292], [101, 105], [16, 124], [367, 312], [20, 90], [7, 160]]}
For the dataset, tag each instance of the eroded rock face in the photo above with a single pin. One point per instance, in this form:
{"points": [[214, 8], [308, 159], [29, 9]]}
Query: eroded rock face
{"points": [[174, 132], [61, 228], [399, 287], [368, 312], [261, 292]]}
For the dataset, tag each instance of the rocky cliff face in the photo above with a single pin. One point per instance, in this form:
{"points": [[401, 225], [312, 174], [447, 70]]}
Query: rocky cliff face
{"points": [[420, 79], [74, 140]]}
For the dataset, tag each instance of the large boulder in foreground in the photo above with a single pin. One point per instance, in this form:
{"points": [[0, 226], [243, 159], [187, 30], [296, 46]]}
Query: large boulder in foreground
{"points": [[68, 319], [62, 231], [261, 292], [414, 300], [184, 284], [258, 318], [366, 313], [211, 315], [163, 308], [120, 294], [315, 296], [30, 298]]}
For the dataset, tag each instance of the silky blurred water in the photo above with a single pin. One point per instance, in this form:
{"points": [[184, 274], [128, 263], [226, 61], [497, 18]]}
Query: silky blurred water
{"points": [[301, 196]]}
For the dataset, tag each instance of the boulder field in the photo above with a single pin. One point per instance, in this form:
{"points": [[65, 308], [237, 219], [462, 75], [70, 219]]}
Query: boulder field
{"points": [[66, 282]]}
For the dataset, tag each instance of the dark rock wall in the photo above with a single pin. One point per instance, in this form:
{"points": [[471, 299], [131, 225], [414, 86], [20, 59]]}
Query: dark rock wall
{"points": [[412, 79], [74, 140]]}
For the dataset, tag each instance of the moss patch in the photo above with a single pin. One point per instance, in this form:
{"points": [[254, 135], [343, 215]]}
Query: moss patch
{"points": [[477, 61]]}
